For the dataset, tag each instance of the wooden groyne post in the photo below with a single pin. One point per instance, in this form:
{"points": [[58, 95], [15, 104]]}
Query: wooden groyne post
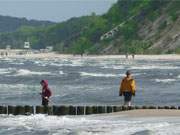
{"points": [[73, 110]]}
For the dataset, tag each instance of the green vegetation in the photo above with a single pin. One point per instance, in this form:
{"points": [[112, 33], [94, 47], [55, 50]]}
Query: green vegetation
{"points": [[135, 47], [163, 25], [81, 45], [82, 34], [177, 50], [11, 24], [173, 10]]}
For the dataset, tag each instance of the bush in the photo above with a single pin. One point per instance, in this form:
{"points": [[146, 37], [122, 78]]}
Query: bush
{"points": [[80, 46], [177, 51], [174, 17], [163, 25], [134, 47], [153, 15]]}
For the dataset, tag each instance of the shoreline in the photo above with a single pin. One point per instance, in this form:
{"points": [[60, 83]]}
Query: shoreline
{"points": [[148, 113], [55, 55]]}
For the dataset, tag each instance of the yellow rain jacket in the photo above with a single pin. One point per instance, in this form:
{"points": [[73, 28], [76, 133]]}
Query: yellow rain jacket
{"points": [[128, 85]]}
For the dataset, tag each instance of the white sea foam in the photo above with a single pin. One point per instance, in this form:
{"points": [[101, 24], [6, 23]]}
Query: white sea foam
{"points": [[154, 67], [6, 70], [56, 64], [89, 125], [77, 62], [105, 75], [18, 86], [17, 63], [61, 73], [25, 72], [41, 63], [165, 80], [113, 67], [61, 63], [100, 74]]}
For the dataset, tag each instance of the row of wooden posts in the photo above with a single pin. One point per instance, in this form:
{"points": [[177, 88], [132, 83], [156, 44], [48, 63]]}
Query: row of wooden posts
{"points": [[72, 110]]}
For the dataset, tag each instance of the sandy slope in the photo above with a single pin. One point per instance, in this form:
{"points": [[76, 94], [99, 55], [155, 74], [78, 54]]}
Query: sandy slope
{"points": [[150, 113]]}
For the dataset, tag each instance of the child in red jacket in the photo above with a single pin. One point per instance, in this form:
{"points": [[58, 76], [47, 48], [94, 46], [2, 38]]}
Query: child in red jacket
{"points": [[46, 92]]}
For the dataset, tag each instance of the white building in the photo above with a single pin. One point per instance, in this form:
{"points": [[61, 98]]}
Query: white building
{"points": [[8, 47], [49, 48], [26, 45]]}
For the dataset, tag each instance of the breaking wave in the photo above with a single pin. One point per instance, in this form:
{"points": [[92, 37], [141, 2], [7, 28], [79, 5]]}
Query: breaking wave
{"points": [[25, 72], [154, 67], [6, 70], [100, 74], [165, 80]]}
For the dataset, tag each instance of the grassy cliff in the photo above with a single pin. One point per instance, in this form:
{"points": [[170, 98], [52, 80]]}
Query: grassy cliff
{"points": [[129, 26]]}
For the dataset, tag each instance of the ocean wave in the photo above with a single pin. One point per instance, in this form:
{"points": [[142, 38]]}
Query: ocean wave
{"points": [[64, 64], [106, 75], [154, 67], [61, 73], [70, 63], [100, 74], [165, 80], [6, 70], [40, 63], [26, 72], [113, 67], [56, 64], [17, 63], [18, 86]]}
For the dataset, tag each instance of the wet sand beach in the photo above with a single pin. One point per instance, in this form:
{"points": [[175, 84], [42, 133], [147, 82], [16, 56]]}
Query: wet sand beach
{"points": [[149, 113]]}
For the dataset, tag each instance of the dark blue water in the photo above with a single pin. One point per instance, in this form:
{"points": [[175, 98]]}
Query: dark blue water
{"points": [[89, 81]]}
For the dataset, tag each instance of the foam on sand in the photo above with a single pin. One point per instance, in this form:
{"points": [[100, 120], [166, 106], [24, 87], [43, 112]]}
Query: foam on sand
{"points": [[110, 124], [150, 113]]}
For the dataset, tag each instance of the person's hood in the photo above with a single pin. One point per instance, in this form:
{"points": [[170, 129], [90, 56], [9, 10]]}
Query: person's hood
{"points": [[45, 82]]}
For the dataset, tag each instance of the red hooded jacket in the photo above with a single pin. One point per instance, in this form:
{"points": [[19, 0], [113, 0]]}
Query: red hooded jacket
{"points": [[46, 92]]}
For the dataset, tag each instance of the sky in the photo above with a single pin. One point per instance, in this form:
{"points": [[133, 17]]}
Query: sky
{"points": [[53, 10]]}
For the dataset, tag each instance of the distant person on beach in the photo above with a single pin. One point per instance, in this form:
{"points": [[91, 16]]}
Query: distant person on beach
{"points": [[127, 55], [46, 92], [133, 56], [127, 88], [2, 54]]}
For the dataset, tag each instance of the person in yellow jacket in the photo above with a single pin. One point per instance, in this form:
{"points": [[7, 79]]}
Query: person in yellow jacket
{"points": [[127, 88]]}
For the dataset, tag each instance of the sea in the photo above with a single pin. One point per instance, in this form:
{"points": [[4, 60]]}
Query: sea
{"points": [[88, 81]]}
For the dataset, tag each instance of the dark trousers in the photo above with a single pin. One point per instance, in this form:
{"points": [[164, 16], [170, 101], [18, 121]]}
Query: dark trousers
{"points": [[45, 102], [127, 96]]}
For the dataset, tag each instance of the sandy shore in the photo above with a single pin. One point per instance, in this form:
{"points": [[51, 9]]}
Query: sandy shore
{"points": [[55, 55], [149, 113]]}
